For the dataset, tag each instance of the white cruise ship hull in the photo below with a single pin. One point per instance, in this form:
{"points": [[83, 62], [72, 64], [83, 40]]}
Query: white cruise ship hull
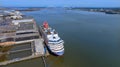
{"points": [[52, 40]]}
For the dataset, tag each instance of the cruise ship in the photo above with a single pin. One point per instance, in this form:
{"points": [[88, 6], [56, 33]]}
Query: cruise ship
{"points": [[52, 40]]}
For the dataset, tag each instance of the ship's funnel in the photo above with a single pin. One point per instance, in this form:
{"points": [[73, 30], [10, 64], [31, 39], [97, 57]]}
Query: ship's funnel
{"points": [[45, 24]]}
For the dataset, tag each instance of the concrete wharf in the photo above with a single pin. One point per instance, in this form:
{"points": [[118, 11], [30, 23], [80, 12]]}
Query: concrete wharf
{"points": [[37, 48], [18, 31]]}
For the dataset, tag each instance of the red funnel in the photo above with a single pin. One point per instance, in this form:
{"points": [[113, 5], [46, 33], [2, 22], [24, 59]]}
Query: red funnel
{"points": [[45, 24]]}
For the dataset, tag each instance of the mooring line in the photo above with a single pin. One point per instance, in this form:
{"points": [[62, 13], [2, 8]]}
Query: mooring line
{"points": [[44, 61]]}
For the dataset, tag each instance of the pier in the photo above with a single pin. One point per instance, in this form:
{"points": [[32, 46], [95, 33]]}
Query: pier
{"points": [[18, 32], [37, 49]]}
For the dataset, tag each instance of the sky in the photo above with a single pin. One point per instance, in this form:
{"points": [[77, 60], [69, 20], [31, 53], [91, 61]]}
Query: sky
{"points": [[60, 3]]}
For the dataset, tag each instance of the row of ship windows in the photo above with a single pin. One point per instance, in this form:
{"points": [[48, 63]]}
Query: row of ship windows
{"points": [[55, 41]]}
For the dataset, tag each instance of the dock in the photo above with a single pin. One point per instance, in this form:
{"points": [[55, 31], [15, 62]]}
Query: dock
{"points": [[17, 30], [37, 49]]}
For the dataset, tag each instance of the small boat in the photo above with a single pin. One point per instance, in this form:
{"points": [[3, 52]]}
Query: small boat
{"points": [[52, 40]]}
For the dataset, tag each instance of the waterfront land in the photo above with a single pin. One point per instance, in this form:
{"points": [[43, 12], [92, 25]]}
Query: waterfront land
{"points": [[105, 10], [22, 9]]}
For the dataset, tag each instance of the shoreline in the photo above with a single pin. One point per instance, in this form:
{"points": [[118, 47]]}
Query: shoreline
{"points": [[103, 10]]}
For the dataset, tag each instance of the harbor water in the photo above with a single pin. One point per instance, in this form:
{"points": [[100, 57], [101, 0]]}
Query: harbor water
{"points": [[92, 39]]}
